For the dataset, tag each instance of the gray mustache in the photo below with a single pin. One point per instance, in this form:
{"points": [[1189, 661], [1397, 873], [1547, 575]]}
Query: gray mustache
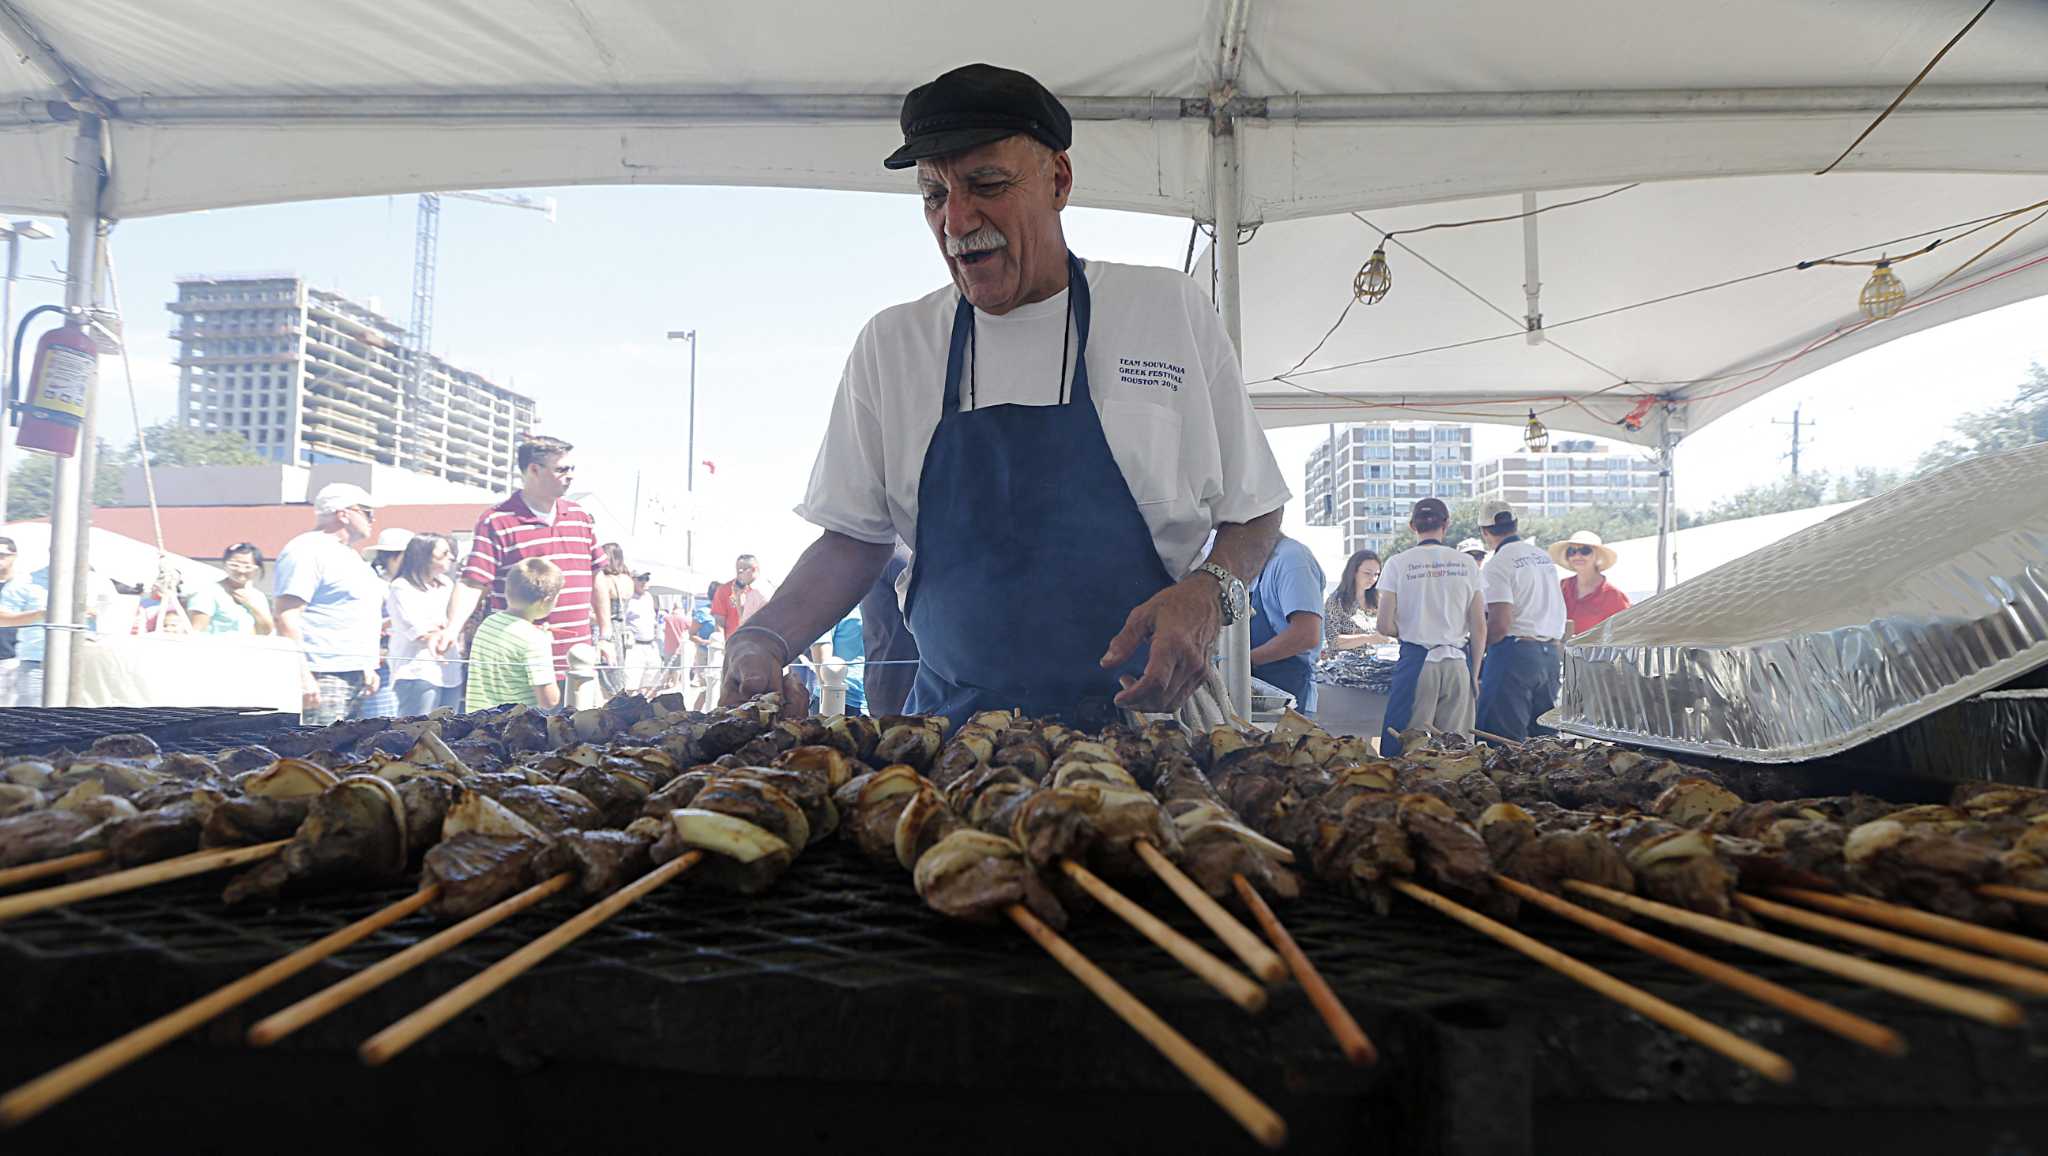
{"points": [[982, 240]]}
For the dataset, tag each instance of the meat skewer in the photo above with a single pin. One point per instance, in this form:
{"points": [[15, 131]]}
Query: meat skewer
{"points": [[1094, 811], [745, 825], [1763, 1061], [185, 866], [1850, 1027], [60, 1084], [1218, 846], [63, 864], [1926, 923], [1991, 1009], [967, 873], [1998, 971], [425, 821]]}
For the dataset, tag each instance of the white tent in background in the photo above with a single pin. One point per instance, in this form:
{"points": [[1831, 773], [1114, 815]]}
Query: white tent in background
{"points": [[1237, 113], [114, 556], [1698, 549]]}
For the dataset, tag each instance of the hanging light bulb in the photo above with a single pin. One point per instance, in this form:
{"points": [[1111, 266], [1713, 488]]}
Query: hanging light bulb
{"points": [[1536, 435], [1883, 295], [1374, 278]]}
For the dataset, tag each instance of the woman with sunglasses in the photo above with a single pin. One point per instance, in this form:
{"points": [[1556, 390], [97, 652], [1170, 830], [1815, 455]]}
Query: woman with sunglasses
{"points": [[232, 605], [1589, 599]]}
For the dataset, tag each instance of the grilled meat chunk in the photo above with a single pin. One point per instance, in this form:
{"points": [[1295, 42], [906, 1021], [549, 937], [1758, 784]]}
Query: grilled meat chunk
{"points": [[354, 832], [248, 820], [603, 860], [552, 809], [172, 829], [976, 876], [39, 835], [1925, 867], [476, 871]]}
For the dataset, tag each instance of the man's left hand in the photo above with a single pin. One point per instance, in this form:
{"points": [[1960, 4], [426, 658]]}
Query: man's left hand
{"points": [[1181, 622], [370, 683]]}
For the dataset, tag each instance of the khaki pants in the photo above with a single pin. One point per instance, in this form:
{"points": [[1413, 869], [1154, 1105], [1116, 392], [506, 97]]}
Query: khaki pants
{"points": [[1443, 697]]}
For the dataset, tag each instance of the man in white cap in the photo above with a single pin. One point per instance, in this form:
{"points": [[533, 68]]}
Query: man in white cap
{"points": [[1474, 549], [1524, 623], [331, 603]]}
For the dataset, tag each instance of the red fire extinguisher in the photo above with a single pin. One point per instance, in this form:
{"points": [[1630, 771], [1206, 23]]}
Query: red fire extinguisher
{"points": [[62, 376]]}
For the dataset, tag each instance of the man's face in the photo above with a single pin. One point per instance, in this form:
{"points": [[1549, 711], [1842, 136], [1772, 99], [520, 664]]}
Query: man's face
{"points": [[743, 571], [639, 587], [995, 212], [549, 478], [359, 521], [7, 556]]}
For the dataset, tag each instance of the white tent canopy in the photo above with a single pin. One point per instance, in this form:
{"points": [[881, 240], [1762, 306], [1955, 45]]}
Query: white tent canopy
{"points": [[1302, 108]]}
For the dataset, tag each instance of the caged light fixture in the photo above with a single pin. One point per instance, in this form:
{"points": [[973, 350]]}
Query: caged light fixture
{"points": [[1374, 278], [1884, 294], [1535, 435]]}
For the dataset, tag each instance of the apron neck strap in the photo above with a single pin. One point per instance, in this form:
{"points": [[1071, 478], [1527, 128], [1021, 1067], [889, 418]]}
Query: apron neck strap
{"points": [[961, 348]]}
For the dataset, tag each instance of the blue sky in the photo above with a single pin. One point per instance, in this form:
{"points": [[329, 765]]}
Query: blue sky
{"points": [[778, 282]]}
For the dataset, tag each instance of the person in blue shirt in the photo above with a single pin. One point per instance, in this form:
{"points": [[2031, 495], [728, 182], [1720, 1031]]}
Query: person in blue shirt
{"points": [[849, 645], [1287, 622]]}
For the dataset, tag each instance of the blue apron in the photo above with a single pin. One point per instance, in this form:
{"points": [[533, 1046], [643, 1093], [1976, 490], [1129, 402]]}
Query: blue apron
{"points": [[1296, 675], [1030, 550]]}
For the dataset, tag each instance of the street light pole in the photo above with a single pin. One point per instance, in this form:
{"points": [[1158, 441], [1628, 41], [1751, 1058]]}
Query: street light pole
{"points": [[690, 447], [15, 232]]}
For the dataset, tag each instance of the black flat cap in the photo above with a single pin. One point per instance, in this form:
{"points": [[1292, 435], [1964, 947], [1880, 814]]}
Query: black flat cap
{"points": [[975, 105]]}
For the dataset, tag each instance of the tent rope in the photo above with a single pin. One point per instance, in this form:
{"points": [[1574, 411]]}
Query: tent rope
{"points": [[1900, 99]]}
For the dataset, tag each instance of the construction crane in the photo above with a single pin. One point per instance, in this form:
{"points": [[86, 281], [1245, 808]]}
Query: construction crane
{"points": [[426, 261]]}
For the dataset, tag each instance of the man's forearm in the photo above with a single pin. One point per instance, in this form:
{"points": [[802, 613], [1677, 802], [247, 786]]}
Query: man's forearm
{"points": [[1243, 547], [1298, 637], [462, 603], [830, 578]]}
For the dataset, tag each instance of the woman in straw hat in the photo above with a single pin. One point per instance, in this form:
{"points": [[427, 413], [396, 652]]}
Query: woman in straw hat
{"points": [[1589, 599]]}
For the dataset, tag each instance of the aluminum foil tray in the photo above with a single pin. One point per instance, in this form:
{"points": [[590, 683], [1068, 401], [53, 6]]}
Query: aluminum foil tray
{"points": [[1879, 616]]}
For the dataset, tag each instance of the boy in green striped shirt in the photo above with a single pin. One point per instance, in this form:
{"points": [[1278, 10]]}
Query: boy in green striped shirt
{"points": [[512, 660]]}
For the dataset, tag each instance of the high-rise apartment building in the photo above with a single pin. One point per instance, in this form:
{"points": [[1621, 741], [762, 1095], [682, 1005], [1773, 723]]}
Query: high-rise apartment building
{"points": [[308, 377], [1366, 478], [1570, 475]]}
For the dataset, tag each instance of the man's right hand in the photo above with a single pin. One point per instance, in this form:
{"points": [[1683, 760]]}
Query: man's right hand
{"points": [[752, 667]]}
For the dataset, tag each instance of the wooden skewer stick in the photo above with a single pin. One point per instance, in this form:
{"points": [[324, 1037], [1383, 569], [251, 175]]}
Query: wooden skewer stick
{"points": [[1262, 1122], [1242, 942], [30, 872], [1854, 1028], [2032, 897], [1763, 1061], [197, 863], [1350, 1037], [406, 1032], [1963, 1001], [1998, 971], [1503, 740], [1925, 923], [320, 1003], [56, 1086], [1234, 985]]}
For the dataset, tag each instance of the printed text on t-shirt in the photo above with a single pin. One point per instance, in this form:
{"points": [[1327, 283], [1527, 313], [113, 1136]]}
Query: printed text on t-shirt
{"points": [[1160, 373]]}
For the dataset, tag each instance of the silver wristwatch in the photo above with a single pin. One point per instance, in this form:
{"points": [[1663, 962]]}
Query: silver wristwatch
{"points": [[1230, 591]]}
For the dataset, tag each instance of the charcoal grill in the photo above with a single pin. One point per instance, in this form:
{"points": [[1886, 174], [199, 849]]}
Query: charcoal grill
{"points": [[840, 991]]}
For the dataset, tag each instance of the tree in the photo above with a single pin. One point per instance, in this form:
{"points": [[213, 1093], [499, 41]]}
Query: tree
{"points": [[1800, 493], [2022, 421], [171, 444], [28, 486]]}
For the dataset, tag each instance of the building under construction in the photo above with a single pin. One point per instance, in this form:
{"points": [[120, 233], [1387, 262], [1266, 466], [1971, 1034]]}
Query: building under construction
{"points": [[308, 376]]}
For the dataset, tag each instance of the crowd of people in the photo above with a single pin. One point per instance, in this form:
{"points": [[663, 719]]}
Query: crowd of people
{"points": [[398, 622], [1460, 639]]}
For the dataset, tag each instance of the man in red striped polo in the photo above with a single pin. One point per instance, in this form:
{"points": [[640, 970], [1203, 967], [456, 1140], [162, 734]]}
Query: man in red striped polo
{"points": [[539, 521]]}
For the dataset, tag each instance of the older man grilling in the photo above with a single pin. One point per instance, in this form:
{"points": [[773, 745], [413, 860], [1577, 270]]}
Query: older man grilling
{"points": [[1044, 432]]}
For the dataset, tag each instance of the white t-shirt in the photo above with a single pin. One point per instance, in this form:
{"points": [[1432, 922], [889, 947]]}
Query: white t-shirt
{"points": [[413, 612], [1161, 372], [344, 611], [641, 623], [1433, 586], [1523, 574]]}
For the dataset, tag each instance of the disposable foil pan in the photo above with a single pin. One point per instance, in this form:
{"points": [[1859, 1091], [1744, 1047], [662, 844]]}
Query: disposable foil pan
{"points": [[1848, 630]]}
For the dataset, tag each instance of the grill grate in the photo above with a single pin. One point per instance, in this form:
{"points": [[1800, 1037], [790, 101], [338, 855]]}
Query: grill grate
{"points": [[200, 730], [838, 924]]}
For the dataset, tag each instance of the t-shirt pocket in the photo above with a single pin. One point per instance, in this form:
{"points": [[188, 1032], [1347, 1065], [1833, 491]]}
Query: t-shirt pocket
{"points": [[1145, 440]]}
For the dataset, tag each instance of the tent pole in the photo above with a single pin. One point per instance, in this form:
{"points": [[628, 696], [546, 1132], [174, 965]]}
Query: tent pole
{"points": [[1235, 645], [1665, 445], [65, 580]]}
